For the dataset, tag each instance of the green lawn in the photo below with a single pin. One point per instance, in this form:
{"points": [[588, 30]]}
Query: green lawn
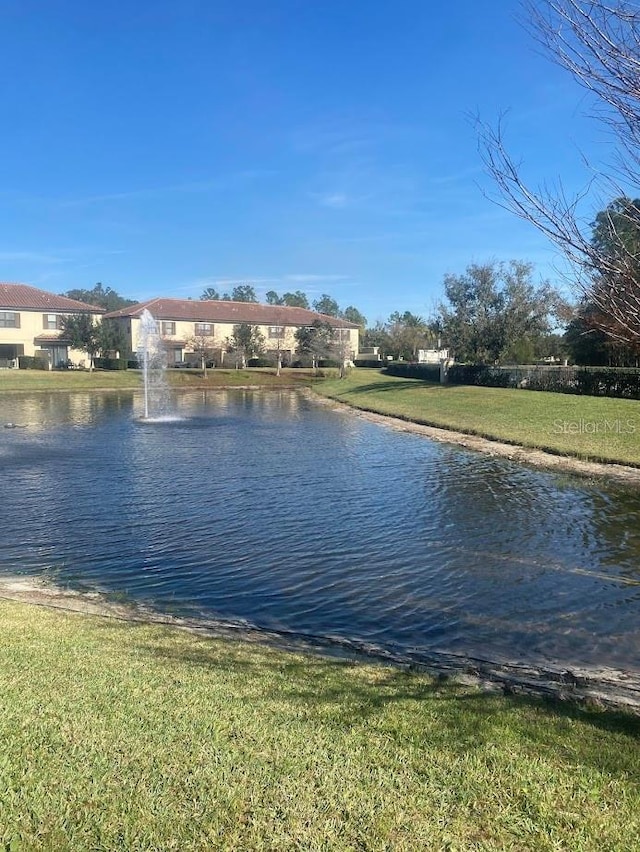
{"points": [[70, 380], [594, 428], [123, 736]]}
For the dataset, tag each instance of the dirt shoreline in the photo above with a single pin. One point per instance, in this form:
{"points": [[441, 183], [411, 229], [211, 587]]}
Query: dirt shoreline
{"points": [[513, 452], [591, 687]]}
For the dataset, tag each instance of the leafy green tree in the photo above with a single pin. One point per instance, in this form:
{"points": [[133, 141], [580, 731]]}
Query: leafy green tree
{"points": [[615, 291], [83, 334], [247, 341], [110, 338], [327, 306], [491, 307], [297, 299], [102, 297], [315, 342], [587, 345], [240, 293], [352, 314], [291, 300], [243, 293], [406, 334], [378, 335], [210, 295]]}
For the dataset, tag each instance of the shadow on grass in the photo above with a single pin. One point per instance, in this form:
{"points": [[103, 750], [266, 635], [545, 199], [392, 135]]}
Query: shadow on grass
{"points": [[410, 708], [393, 385]]}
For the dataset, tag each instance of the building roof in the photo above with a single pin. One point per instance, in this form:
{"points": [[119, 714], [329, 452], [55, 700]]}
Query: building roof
{"points": [[22, 296], [52, 338], [209, 310]]}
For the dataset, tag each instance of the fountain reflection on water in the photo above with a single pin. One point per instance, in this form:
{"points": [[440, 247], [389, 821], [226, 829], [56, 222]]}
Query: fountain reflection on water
{"points": [[152, 360], [266, 510]]}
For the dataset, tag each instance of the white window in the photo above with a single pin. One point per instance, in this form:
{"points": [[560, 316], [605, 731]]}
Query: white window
{"points": [[276, 331], [168, 328]]}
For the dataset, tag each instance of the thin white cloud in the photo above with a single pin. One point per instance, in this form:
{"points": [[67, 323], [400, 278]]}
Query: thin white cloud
{"points": [[30, 257], [312, 278], [456, 177], [335, 200], [189, 187]]}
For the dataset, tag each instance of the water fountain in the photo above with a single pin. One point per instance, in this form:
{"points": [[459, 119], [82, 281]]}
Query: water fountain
{"points": [[152, 359]]}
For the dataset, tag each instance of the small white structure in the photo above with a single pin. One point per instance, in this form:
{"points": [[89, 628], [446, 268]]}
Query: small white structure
{"points": [[369, 353], [432, 356]]}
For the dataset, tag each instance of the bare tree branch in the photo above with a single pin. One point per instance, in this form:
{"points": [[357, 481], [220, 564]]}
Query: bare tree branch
{"points": [[598, 42]]}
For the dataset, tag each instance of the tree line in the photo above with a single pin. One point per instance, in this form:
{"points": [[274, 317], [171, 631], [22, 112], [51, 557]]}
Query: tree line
{"points": [[495, 311], [598, 44], [492, 313], [324, 304]]}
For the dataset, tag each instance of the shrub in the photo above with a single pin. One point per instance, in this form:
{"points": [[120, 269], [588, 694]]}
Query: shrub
{"points": [[609, 382], [260, 362], [480, 374], [110, 363], [623, 382], [29, 362], [404, 369]]}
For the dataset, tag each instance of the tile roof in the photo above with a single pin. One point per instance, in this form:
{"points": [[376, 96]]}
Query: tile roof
{"points": [[51, 338], [26, 297], [231, 312]]}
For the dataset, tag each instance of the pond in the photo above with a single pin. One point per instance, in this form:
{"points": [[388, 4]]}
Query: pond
{"points": [[266, 509]]}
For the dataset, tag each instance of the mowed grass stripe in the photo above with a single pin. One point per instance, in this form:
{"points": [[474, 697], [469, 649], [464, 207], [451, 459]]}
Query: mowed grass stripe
{"points": [[122, 736], [593, 428]]}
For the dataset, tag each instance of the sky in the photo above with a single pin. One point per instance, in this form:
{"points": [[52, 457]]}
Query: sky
{"points": [[163, 147]]}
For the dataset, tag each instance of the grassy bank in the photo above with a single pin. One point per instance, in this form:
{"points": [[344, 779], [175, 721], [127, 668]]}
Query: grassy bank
{"points": [[593, 428], [121, 736], [74, 380]]}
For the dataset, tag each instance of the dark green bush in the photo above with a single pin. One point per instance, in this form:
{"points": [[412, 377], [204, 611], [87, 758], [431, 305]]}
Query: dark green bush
{"points": [[132, 364], [260, 362], [110, 363], [609, 381], [406, 370], [623, 382], [29, 362], [480, 374]]}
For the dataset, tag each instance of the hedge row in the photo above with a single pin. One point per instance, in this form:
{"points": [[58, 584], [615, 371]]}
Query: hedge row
{"points": [[29, 362], [406, 370], [481, 374], [587, 381], [110, 363]]}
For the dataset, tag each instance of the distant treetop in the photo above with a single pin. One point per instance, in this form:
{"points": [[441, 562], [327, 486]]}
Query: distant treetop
{"points": [[240, 293], [102, 296]]}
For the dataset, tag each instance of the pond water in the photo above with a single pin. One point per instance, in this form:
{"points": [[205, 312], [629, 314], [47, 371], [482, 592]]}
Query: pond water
{"points": [[267, 509]]}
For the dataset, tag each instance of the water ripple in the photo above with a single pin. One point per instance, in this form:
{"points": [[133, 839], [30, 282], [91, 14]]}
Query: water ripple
{"points": [[264, 509]]}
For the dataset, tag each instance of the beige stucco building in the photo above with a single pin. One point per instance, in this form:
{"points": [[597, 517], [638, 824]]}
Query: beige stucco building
{"points": [[181, 320], [30, 324]]}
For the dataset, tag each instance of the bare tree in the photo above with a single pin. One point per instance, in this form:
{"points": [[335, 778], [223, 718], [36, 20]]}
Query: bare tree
{"points": [[204, 346], [598, 43]]}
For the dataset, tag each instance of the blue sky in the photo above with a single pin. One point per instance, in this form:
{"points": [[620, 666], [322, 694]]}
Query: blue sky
{"points": [[322, 145]]}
